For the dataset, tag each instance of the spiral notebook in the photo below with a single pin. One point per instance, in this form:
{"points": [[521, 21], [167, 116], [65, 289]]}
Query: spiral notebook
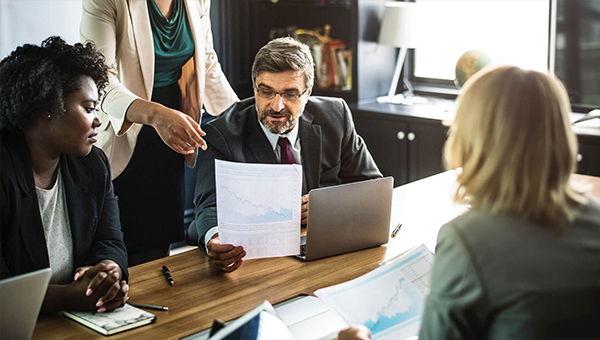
{"points": [[118, 320]]}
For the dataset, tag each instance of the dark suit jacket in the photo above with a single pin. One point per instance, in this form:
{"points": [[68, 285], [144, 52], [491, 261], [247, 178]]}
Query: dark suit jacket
{"points": [[92, 206], [332, 152]]}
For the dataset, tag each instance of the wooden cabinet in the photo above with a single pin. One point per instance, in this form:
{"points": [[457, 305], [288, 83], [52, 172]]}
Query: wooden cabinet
{"points": [[404, 147], [241, 28], [425, 149], [407, 141], [389, 152], [588, 160]]}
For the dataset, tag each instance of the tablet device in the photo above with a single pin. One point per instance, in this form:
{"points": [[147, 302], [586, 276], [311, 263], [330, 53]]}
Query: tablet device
{"points": [[261, 323]]}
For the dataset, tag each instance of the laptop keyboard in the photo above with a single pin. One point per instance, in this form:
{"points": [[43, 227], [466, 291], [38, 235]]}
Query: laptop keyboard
{"points": [[302, 250]]}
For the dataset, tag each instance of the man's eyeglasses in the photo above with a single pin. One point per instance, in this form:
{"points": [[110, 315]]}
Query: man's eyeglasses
{"points": [[290, 96]]}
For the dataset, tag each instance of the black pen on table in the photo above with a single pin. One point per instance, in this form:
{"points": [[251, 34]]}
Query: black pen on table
{"points": [[145, 305], [168, 275], [396, 230]]}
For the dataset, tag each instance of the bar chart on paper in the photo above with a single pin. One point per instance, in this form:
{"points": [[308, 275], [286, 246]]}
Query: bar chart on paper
{"points": [[389, 300]]}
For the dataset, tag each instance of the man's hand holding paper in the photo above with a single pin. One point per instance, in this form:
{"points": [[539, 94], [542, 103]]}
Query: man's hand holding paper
{"points": [[304, 209], [225, 256]]}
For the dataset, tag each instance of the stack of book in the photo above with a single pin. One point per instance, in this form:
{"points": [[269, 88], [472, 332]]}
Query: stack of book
{"points": [[333, 59]]}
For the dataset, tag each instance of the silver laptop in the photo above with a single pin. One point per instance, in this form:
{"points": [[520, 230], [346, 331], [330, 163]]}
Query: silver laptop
{"points": [[21, 299], [347, 217]]}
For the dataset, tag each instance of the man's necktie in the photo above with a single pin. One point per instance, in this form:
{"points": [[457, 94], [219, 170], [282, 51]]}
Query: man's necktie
{"points": [[286, 154]]}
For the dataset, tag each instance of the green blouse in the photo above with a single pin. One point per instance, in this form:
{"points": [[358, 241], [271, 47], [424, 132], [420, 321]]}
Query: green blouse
{"points": [[173, 42]]}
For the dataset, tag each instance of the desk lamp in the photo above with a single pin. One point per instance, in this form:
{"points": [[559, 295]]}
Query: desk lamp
{"points": [[398, 29]]}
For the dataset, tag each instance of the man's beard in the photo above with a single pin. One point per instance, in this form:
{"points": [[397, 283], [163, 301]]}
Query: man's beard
{"points": [[277, 127]]}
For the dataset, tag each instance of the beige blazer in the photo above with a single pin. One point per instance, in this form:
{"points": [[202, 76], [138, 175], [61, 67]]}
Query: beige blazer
{"points": [[121, 31]]}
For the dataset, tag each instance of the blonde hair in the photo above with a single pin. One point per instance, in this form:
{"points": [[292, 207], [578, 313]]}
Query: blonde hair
{"points": [[513, 140]]}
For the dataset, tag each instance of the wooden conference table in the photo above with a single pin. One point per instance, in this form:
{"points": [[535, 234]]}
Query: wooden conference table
{"points": [[202, 293]]}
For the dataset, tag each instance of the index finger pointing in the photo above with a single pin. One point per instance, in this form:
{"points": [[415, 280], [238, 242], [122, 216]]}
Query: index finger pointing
{"points": [[195, 137], [196, 132], [196, 126]]}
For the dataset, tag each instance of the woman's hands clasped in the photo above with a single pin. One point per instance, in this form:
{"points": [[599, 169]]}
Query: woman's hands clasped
{"points": [[99, 288]]}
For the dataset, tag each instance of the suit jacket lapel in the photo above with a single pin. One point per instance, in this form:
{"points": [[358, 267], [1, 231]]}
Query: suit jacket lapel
{"points": [[311, 149], [33, 232], [30, 223], [196, 25], [81, 206], [257, 142], [138, 10]]}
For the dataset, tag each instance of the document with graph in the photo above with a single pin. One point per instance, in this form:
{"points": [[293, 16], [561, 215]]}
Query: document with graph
{"points": [[389, 300], [258, 207]]}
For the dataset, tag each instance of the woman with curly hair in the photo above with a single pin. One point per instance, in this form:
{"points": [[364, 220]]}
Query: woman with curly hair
{"points": [[56, 196]]}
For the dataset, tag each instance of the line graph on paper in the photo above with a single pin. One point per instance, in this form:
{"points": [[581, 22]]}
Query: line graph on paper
{"points": [[389, 300], [403, 305], [244, 206], [258, 207], [383, 306]]}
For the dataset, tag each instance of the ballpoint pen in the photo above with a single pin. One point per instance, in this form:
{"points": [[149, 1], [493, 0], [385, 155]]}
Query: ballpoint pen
{"points": [[396, 230], [145, 305], [168, 275]]}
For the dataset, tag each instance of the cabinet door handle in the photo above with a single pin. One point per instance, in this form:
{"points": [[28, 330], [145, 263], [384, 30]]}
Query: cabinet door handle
{"points": [[400, 135], [411, 136], [579, 157]]}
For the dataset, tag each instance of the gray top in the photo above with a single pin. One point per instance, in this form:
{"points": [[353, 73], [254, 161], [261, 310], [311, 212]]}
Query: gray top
{"points": [[500, 277]]}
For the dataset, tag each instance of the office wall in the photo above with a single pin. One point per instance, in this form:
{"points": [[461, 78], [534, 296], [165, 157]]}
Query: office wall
{"points": [[31, 21]]}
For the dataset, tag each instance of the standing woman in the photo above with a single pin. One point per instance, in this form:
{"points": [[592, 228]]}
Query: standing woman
{"points": [[57, 204], [163, 70]]}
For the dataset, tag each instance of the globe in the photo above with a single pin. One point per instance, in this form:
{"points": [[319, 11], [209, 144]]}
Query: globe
{"points": [[468, 64]]}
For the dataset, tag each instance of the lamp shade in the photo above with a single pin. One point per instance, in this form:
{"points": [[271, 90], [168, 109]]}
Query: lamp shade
{"points": [[399, 25]]}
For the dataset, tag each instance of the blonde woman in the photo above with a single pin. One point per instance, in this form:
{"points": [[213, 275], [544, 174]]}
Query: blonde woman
{"points": [[524, 261]]}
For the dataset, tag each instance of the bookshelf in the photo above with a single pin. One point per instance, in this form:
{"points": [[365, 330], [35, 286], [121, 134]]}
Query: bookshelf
{"points": [[241, 28]]}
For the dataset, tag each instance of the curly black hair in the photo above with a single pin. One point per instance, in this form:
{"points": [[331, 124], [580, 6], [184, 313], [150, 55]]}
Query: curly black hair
{"points": [[36, 80]]}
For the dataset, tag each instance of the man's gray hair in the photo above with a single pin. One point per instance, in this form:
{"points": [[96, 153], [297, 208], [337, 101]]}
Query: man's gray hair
{"points": [[284, 54]]}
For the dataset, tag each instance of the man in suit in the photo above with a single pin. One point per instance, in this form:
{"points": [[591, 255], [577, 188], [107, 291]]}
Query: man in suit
{"points": [[280, 124]]}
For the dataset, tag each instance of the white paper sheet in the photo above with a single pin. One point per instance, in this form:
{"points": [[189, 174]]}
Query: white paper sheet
{"points": [[308, 317], [389, 300], [258, 207]]}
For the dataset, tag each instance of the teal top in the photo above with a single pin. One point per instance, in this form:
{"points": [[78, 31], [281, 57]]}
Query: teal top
{"points": [[173, 42]]}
